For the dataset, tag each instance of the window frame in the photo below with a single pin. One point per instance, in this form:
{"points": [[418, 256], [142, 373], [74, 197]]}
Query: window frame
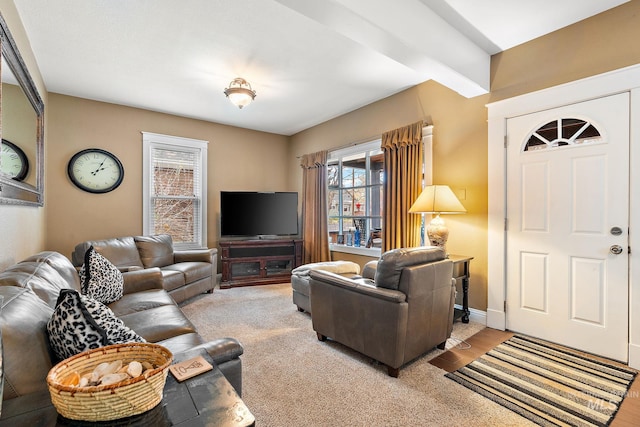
{"points": [[151, 141], [427, 179], [338, 155]]}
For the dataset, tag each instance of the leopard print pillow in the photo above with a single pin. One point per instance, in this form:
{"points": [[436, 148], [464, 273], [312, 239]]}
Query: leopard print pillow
{"points": [[81, 323], [100, 279]]}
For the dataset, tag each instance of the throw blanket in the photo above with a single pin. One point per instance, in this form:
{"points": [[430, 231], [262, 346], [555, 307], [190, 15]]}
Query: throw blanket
{"points": [[338, 267]]}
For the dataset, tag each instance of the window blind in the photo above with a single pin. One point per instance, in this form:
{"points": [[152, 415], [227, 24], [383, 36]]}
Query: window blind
{"points": [[175, 192]]}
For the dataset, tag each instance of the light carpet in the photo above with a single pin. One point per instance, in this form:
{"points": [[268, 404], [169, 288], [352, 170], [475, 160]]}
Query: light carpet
{"points": [[290, 378], [548, 383]]}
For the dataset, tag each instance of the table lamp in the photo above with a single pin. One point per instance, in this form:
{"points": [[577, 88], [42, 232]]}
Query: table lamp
{"points": [[437, 199]]}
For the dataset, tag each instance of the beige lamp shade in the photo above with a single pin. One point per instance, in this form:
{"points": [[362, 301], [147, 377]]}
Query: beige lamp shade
{"points": [[437, 199]]}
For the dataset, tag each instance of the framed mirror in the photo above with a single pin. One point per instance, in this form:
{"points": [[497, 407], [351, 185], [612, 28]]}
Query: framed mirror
{"points": [[22, 128]]}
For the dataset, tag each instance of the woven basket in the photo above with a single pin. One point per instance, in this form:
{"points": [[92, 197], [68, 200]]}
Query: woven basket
{"points": [[109, 402]]}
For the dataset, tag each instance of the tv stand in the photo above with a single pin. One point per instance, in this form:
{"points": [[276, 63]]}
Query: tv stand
{"points": [[258, 262]]}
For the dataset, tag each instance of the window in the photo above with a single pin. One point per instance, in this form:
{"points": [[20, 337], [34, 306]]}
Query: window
{"points": [[355, 178], [562, 133], [174, 189]]}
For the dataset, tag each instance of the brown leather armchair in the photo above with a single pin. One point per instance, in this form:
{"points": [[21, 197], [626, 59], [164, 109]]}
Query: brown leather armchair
{"points": [[399, 310]]}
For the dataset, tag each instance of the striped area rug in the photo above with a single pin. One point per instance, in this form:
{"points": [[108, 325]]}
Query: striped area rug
{"points": [[547, 383]]}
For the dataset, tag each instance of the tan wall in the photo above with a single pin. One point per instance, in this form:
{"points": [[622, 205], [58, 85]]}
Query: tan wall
{"points": [[460, 158], [21, 228], [238, 159], [604, 42]]}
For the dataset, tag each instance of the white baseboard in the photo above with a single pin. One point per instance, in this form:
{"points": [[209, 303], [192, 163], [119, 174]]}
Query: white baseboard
{"points": [[476, 316]]}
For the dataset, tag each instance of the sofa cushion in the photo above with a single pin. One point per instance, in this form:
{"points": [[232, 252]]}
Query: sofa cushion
{"points": [[100, 279], [192, 271], [172, 279], [141, 301], [60, 264], [155, 251], [121, 251], [43, 279], [159, 323], [24, 319], [392, 262], [81, 323]]}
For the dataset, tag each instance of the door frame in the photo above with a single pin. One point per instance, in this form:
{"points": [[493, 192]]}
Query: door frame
{"points": [[623, 80]]}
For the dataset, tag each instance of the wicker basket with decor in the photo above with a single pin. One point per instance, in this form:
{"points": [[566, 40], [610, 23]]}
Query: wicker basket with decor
{"points": [[77, 399]]}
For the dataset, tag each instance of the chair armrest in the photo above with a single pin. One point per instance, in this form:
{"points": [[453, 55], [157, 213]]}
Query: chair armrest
{"points": [[369, 270], [196, 255], [142, 280], [363, 286]]}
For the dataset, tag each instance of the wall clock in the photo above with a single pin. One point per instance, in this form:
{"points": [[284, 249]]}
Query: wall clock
{"points": [[95, 170], [13, 161]]}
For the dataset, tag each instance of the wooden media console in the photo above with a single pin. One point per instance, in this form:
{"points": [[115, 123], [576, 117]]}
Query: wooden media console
{"points": [[258, 262]]}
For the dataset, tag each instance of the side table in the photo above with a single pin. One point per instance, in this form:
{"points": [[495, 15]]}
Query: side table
{"points": [[461, 273], [205, 400]]}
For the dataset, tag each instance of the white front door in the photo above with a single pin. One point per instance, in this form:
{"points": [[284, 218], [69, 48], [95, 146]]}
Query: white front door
{"points": [[567, 219]]}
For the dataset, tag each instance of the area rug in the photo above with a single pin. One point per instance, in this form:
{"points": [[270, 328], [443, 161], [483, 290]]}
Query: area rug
{"points": [[547, 383]]}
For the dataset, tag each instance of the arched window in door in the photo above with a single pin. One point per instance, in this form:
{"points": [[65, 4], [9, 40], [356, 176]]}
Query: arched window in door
{"points": [[562, 133]]}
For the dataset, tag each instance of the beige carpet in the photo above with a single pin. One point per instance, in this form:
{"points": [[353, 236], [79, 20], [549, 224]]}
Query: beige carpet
{"points": [[292, 379]]}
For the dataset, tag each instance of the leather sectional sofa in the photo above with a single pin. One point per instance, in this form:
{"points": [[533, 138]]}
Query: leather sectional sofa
{"points": [[185, 273], [30, 289]]}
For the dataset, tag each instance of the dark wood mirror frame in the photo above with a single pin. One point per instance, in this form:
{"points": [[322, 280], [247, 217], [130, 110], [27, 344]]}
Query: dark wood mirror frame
{"points": [[11, 191]]}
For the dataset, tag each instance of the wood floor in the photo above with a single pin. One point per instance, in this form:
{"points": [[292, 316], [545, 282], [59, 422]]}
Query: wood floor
{"points": [[628, 415]]}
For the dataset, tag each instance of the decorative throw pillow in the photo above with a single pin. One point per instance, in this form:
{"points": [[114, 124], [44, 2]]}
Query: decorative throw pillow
{"points": [[81, 323], [99, 278]]}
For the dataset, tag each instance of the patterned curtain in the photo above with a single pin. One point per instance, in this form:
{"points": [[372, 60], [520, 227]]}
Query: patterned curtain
{"points": [[315, 230], [403, 154]]}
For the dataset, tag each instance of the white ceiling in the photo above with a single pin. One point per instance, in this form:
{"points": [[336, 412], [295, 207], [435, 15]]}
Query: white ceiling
{"points": [[308, 60]]}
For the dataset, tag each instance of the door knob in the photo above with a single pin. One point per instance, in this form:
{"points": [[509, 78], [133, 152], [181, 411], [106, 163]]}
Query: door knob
{"points": [[616, 231], [616, 249]]}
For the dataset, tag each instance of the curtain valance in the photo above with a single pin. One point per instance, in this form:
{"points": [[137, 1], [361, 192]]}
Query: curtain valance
{"points": [[314, 160]]}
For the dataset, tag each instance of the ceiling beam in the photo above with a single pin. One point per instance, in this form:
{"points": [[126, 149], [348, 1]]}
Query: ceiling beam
{"points": [[408, 32]]}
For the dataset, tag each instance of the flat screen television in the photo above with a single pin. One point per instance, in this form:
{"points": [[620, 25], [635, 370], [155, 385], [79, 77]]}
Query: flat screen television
{"points": [[253, 213]]}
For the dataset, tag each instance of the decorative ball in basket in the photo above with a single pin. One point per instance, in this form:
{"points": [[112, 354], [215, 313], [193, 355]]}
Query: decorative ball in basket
{"points": [[78, 394]]}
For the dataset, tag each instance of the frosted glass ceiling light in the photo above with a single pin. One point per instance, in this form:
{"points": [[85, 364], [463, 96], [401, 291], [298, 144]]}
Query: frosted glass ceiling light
{"points": [[240, 93]]}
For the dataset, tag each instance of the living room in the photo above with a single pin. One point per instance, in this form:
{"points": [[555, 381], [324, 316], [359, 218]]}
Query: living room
{"points": [[459, 156], [254, 160]]}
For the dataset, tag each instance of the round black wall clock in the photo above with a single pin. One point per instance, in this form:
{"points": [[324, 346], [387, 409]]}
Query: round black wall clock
{"points": [[13, 161], [95, 170]]}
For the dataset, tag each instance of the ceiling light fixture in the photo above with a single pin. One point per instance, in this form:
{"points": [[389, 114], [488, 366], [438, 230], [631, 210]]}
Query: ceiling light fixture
{"points": [[240, 93]]}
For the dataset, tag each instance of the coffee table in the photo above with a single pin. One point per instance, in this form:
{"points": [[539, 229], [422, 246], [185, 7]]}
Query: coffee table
{"points": [[205, 400]]}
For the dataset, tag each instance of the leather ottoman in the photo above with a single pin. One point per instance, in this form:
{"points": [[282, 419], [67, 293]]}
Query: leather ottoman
{"points": [[300, 279]]}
